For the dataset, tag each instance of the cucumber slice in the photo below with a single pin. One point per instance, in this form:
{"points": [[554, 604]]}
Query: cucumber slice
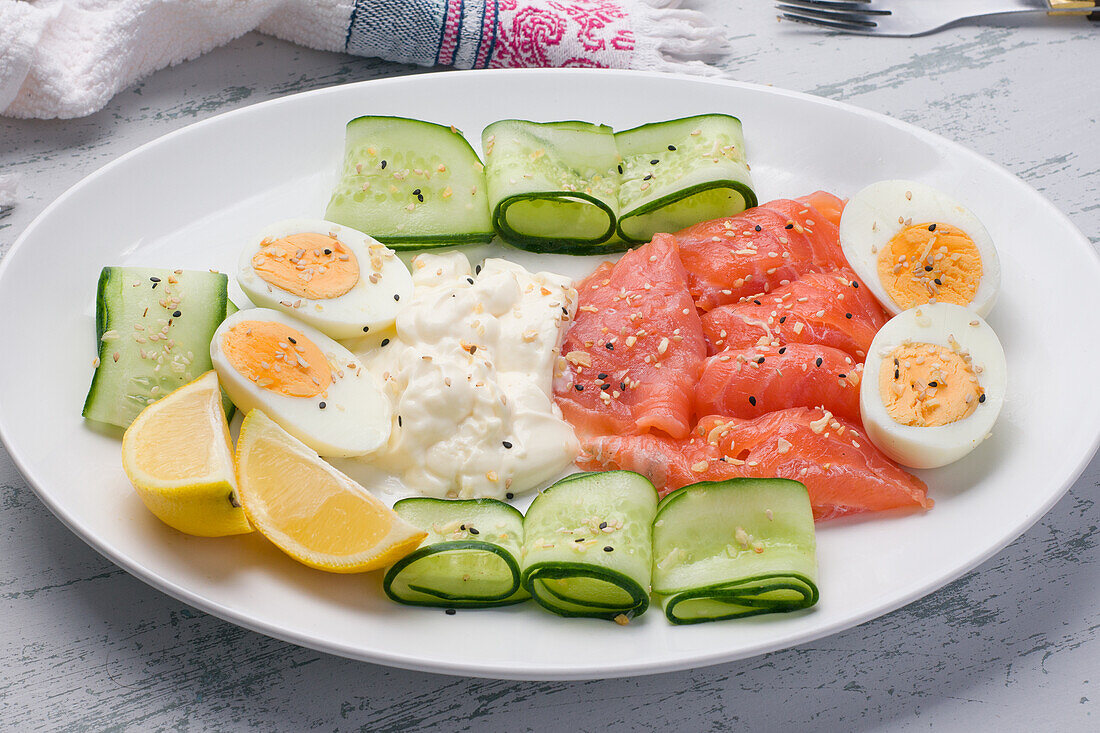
{"points": [[153, 328], [586, 547], [728, 549], [553, 186], [681, 172], [468, 559], [411, 184]]}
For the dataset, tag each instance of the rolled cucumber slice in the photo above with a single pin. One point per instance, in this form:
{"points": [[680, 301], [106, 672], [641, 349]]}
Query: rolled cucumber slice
{"points": [[468, 559], [410, 184], [681, 172], [587, 546], [553, 186], [153, 328], [734, 548]]}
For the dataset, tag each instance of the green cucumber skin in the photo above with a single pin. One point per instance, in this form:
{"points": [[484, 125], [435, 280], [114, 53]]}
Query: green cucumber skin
{"points": [[556, 142], [423, 512], [640, 144], [443, 224], [705, 531], [115, 397], [576, 501]]}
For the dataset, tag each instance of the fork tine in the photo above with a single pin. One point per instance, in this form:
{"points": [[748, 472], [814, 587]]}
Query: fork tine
{"points": [[831, 24], [845, 7]]}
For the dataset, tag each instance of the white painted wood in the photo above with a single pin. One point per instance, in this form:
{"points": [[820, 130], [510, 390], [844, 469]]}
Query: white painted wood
{"points": [[1012, 645]]}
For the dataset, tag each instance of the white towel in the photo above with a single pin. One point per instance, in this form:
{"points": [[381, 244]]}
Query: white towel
{"points": [[67, 58]]}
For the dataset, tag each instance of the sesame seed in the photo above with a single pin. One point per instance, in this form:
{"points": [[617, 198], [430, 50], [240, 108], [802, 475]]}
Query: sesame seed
{"points": [[655, 161], [450, 612], [620, 170], [322, 405], [671, 147], [396, 296], [847, 315], [752, 400], [981, 397], [578, 387], [608, 548], [383, 165], [818, 362], [384, 342], [506, 444]]}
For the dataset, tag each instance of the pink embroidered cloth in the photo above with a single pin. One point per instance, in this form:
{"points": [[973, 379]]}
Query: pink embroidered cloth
{"points": [[67, 58]]}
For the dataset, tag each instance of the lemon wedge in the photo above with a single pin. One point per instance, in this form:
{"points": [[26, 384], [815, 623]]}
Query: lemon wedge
{"points": [[179, 457], [311, 511]]}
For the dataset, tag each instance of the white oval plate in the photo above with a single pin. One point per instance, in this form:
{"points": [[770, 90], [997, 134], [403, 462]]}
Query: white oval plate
{"points": [[189, 199]]}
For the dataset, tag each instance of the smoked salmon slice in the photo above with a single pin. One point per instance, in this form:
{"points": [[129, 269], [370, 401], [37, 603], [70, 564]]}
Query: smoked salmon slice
{"points": [[635, 349], [826, 308], [760, 249], [843, 472], [751, 382]]}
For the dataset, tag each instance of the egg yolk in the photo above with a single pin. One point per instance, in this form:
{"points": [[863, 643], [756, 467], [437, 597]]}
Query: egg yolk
{"points": [[926, 385], [309, 265], [930, 263], [278, 358]]}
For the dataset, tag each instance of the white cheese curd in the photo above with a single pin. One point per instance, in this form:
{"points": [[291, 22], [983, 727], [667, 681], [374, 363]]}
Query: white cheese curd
{"points": [[468, 369]]}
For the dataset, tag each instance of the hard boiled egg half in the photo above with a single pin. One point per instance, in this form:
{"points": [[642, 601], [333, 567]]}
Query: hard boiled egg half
{"points": [[313, 387], [913, 244], [933, 385], [329, 276]]}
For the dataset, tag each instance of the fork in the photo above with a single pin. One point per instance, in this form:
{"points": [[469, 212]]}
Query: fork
{"points": [[915, 17]]}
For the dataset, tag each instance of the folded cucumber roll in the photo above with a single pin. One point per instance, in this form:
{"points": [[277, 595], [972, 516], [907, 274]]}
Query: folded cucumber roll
{"points": [[410, 184], [587, 545], [681, 172], [741, 547], [468, 559], [153, 329], [553, 186]]}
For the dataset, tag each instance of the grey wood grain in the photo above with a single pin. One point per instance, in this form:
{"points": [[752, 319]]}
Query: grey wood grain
{"points": [[1012, 645]]}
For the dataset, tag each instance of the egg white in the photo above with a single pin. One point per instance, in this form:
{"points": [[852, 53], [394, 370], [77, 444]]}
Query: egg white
{"points": [[356, 419], [931, 447], [368, 306], [870, 221]]}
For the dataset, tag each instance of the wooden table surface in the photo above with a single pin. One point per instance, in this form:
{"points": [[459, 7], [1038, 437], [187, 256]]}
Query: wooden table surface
{"points": [[1012, 645]]}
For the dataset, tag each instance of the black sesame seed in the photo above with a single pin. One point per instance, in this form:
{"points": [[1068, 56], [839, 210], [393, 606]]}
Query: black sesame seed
{"points": [[293, 341], [233, 501], [760, 360], [647, 176], [477, 270], [981, 398], [782, 319], [783, 349], [603, 525], [933, 384], [609, 346], [847, 315], [328, 251], [758, 228], [601, 375], [385, 342], [177, 314], [928, 268], [579, 539], [752, 400], [154, 279], [473, 530], [506, 444], [509, 495], [931, 227], [789, 226], [156, 284], [937, 281], [605, 387], [416, 192], [818, 362], [366, 329], [473, 349], [843, 376], [671, 147], [383, 165], [608, 548], [420, 197], [450, 612], [622, 386], [897, 374], [322, 405], [620, 170], [855, 284], [655, 161], [396, 296], [756, 301], [470, 280], [578, 387], [400, 422]]}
